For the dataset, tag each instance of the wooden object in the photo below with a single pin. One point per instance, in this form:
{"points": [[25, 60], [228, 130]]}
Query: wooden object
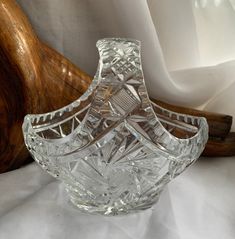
{"points": [[219, 124], [35, 78], [221, 142], [220, 147]]}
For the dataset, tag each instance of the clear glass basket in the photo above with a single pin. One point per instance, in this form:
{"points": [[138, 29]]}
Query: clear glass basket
{"points": [[113, 148]]}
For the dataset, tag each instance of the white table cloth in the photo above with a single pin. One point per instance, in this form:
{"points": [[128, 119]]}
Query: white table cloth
{"points": [[188, 58], [199, 204]]}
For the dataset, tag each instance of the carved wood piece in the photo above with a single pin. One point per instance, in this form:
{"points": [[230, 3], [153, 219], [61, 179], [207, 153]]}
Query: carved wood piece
{"points": [[219, 124], [34, 79], [220, 147]]}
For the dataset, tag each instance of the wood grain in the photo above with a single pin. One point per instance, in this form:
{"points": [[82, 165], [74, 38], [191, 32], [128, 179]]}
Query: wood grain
{"points": [[219, 124], [216, 147], [34, 79]]}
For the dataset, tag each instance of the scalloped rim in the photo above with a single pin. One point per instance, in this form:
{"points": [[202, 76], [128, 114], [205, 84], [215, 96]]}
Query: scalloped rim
{"points": [[30, 118]]}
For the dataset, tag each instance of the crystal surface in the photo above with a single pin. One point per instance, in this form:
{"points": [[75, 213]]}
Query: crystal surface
{"points": [[113, 148]]}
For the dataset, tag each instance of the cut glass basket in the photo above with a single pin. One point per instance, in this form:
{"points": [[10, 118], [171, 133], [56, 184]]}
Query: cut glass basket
{"points": [[113, 148]]}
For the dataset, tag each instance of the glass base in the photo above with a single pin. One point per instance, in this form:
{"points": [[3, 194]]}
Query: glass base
{"points": [[112, 209]]}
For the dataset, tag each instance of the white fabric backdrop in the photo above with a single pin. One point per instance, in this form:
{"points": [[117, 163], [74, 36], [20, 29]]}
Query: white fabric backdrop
{"points": [[188, 48], [188, 56]]}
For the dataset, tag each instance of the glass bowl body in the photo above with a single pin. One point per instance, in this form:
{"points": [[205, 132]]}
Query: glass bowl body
{"points": [[117, 160]]}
